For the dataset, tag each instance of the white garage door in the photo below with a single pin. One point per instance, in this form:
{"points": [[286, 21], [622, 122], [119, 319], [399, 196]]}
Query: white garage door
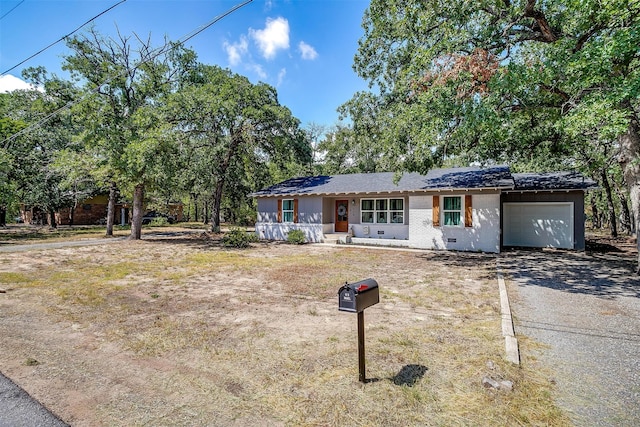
{"points": [[538, 225]]}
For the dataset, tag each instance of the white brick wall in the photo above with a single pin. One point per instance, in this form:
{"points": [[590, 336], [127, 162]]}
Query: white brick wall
{"points": [[483, 236], [279, 231]]}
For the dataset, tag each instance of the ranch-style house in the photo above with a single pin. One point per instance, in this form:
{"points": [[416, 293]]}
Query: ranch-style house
{"points": [[465, 209]]}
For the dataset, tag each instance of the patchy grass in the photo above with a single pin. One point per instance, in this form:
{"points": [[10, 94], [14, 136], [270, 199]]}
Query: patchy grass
{"points": [[33, 234], [182, 333]]}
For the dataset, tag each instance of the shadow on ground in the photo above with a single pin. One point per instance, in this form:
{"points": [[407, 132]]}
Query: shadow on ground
{"points": [[409, 375], [605, 274]]}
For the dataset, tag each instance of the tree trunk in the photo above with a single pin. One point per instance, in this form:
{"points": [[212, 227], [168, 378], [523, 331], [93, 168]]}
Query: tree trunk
{"points": [[613, 221], [215, 209], [594, 212], [136, 220], [3, 216], [629, 161], [111, 208], [217, 196], [625, 221], [52, 218], [195, 206]]}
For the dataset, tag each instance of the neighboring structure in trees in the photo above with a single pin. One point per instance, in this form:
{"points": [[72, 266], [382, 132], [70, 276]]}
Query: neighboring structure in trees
{"points": [[467, 209], [91, 211]]}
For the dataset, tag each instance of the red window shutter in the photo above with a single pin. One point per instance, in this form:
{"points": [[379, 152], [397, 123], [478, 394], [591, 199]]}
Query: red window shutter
{"points": [[295, 210], [436, 211], [468, 212], [279, 210]]}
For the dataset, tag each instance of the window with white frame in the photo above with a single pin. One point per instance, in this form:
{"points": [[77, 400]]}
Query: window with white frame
{"points": [[287, 210], [452, 210], [382, 211], [396, 211]]}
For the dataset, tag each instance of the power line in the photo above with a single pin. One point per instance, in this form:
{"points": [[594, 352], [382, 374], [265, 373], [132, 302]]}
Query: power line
{"points": [[63, 37], [197, 31], [166, 48], [1, 17]]}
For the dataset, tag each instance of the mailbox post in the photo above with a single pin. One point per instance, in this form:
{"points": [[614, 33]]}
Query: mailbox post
{"points": [[354, 298]]}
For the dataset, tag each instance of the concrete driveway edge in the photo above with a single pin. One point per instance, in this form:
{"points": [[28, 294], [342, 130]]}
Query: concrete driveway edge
{"points": [[510, 340]]}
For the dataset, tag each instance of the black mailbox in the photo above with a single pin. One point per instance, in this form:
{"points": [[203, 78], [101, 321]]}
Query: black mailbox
{"points": [[355, 297]]}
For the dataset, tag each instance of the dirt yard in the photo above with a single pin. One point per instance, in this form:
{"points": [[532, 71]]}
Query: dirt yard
{"points": [[176, 330]]}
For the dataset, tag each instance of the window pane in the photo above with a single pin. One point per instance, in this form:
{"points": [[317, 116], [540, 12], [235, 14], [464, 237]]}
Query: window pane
{"points": [[397, 218], [287, 205], [452, 218], [381, 218], [381, 205], [367, 205], [452, 203], [287, 216], [367, 217], [396, 204]]}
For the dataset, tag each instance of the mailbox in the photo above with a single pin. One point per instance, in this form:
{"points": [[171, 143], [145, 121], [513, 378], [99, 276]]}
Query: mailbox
{"points": [[355, 297]]}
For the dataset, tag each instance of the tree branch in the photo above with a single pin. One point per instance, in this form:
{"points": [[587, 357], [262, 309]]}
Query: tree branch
{"points": [[556, 91], [545, 29], [586, 36]]}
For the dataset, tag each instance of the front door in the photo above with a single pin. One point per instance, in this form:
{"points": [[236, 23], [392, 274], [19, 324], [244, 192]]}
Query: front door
{"points": [[342, 216]]}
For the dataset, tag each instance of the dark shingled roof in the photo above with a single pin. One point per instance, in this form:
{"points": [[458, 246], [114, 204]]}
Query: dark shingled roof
{"points": [[552, 181], [498, 177]]}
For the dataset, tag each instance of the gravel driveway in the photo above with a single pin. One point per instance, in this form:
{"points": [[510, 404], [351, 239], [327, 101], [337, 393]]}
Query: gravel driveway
{"points": [[586, 309]]}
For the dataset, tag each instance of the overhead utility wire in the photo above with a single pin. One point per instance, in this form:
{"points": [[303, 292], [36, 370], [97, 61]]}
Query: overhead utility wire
{"points": [[63, 37], [166, 48], [1, 17]]}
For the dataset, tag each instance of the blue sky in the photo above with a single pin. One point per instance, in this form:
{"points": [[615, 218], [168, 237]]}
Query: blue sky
{"points": [[304, 48]]}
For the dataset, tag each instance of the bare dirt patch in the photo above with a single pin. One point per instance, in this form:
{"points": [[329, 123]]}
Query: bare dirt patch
{"points": [[178, 331]]}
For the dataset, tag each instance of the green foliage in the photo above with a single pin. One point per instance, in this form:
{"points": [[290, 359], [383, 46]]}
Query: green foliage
{"points": [[238, 237], [162, 123], [159, 222], [296, 237], [121, 120], [27, 161], [245, 215], [459, 81], [231, 132]]}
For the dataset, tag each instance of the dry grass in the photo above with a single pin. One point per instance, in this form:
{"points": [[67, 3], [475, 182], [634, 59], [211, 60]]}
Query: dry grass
{"points": [[184, 333]]}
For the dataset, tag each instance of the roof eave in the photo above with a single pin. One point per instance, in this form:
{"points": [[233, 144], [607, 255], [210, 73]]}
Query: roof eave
{"points": [[549, 190], [373, 193]]}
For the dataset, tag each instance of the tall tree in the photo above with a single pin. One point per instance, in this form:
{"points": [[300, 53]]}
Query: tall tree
{"points": [[314, 132], [127, 80], [231, 128], [500, 79], [32, 176], [8, 160], [344, 150]]}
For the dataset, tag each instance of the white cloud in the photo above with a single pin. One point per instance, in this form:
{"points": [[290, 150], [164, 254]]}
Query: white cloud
{"points": [[281, 75], [257, 68], [9, 83], [307, 51], [235, 51], [275, 36]]}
